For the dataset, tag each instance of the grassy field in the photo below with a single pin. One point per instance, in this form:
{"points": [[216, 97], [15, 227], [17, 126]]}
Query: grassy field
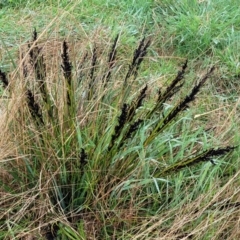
{"points": [[119, 119]]}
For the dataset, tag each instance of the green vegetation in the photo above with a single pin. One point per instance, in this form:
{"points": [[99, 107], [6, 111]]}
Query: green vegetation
{"points": [[108, 131]]}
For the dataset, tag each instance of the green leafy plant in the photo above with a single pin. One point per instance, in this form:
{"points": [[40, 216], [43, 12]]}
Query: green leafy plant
{"points": [[94, 144]]}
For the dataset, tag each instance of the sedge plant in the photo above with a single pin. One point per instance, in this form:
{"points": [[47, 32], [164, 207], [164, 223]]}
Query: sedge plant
{"points": [[93, 149]]}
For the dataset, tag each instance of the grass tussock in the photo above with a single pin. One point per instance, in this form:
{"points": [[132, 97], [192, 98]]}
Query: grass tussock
{"points": [[93, 154]]}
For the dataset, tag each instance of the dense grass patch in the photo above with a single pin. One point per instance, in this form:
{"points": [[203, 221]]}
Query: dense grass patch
{"points": [[202, 28], [95, 149], [103, 132]]}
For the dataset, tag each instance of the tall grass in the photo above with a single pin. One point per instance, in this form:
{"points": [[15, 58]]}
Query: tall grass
{"points": [[201, 29], [94, 149]]}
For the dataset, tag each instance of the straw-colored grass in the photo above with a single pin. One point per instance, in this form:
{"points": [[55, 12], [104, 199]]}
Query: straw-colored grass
{"points": [[85, 166]]}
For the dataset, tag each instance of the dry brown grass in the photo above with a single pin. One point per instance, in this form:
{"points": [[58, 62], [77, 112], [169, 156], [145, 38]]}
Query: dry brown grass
{"points": [[211, 216], [214, 213]]}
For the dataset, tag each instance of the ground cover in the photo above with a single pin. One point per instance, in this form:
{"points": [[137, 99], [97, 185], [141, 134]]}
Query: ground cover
{"points": [[106, 133]]}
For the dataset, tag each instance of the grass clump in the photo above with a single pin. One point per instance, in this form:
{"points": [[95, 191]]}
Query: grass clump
{"points": [[93, 150]]}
